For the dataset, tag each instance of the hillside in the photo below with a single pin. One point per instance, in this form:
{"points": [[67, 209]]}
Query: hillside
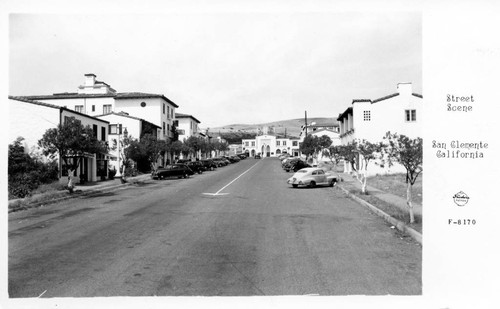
{"points": [[291, 127]]}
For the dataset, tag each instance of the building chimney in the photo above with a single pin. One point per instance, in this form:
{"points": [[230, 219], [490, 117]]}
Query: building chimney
{"points": [[404, 88], [90, 79]]}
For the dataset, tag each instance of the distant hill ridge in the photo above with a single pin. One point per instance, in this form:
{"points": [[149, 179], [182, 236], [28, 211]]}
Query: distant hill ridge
{"points": [[289, 127]]}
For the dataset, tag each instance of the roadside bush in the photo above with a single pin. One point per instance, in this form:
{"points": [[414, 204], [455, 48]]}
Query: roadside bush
{"points": [[26, 173]]}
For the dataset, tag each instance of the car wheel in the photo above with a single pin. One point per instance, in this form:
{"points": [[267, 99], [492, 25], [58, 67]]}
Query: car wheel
{"points": [[186, 175], [312, 184], [333, 183], [160, 177], [295, 185], [211, 168]]}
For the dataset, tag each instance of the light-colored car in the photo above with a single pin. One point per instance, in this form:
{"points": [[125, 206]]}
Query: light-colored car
{"points": [[312, 177]]}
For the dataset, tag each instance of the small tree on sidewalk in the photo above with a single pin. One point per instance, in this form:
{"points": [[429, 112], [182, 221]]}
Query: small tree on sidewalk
{"points": [[153, 149], [407, 152], [71, 140], [359, 154]]}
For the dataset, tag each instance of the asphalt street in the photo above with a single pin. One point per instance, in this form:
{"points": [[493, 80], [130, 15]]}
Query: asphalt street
{"points": [[238, 230]]}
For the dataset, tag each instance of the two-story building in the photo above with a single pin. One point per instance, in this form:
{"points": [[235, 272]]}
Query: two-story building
{"points": [[400, 112], [187, 125], [370, 119], [31, 119], [121, 125]]}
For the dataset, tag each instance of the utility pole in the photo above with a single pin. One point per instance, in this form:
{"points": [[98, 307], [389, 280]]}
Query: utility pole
{"points": [[305, 123]]}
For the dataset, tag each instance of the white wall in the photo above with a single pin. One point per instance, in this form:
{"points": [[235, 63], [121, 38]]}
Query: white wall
{"points": [[388, 115], [87, 103], [152, 112], [30, 121], [189, 125]]}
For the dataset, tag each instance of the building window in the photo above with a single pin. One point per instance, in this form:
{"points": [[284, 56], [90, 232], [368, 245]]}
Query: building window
{"points": [[143, 104], [172, 113], [411, 115], [113, 129], [163, 108], [284, 143], [294, 143], [103, 133], [168, 128], [94, 128], [277, 143], [79, 108], [246, 144], [366, 116], [168, 112], [253, 144], [93, 108], [106, 108], [164, 128]]}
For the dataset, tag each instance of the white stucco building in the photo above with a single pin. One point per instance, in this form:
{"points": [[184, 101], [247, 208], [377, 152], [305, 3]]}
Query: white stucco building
{"points": [[269, 145], [31, 119], [122, 123], [400, 112], [370, 119], [187, 125], [97, 98]]}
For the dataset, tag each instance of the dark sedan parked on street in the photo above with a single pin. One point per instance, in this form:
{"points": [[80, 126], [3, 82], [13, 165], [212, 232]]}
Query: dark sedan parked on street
{"points": [[209, 164], [173, 170], [197, 166], [296, 165]]}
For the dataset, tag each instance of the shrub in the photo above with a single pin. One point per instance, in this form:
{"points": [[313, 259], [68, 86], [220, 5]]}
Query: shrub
{"points": [[26, 173]]}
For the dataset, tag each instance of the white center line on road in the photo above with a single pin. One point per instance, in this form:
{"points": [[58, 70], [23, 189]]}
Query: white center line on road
{"points": [[218, 192]]}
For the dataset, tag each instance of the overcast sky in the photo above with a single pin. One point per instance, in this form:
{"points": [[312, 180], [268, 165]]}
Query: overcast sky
{"points": [[223, 68]]}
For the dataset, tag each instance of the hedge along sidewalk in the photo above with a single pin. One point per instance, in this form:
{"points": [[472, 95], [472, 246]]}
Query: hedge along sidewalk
{"points": [[80, 190], [389, 198]]}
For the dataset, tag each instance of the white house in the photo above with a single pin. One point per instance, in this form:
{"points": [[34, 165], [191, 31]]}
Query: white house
{"points": [[314, 128], [31, 119], [120, 124], [366, 119], [187, 125], [370, 119]]}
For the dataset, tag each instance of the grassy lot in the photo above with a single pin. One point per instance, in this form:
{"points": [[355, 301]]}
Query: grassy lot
{"points": [[396, 185]]}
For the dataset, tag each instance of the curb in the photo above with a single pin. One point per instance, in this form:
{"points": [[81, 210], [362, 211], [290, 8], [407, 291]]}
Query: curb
{"points": [[74, 195], [398, 224]]}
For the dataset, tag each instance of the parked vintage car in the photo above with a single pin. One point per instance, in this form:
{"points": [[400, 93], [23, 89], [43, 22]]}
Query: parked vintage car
{"points": [[298, 165], [196, 166], [257, 156], [286, 161], [233, 159], [312, 177], [172, 170], [209, 164], [220, 161]]}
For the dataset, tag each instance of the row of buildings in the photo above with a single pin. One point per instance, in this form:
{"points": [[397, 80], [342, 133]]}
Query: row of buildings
{"points": [[366, 119], [111, 114]]}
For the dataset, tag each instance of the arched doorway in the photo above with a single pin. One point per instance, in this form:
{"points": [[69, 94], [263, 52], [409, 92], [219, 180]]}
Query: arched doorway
{"points": [[278, 152], [268, 151], [253, 152]]}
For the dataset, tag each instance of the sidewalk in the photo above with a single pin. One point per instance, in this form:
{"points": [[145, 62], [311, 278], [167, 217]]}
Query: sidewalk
{"points": [[389, 198], [351, 186], [52, 197]]}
